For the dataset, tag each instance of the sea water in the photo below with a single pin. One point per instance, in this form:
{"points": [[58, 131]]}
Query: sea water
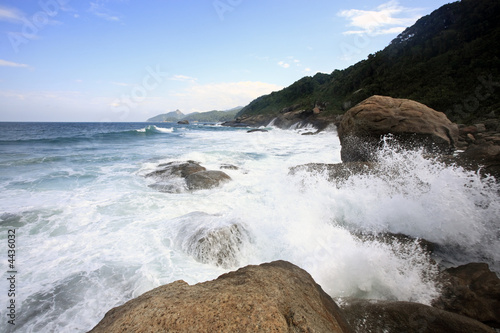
{"points": [[91, 232]]}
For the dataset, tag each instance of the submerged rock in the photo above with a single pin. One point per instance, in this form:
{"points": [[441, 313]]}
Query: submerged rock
{"points": [[472, 290], [229, 167], [411, 123], [218, 246], [272, 297], [337, 172], [396, 317]]}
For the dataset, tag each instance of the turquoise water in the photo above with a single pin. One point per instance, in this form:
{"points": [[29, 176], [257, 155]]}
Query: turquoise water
{"points": [[91, 233]]}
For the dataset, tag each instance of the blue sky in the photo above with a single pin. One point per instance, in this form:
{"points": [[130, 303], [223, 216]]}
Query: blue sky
{"points": [[128, 60]]}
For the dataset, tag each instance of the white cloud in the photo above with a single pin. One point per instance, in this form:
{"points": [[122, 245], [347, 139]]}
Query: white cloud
{"points": [[121, 84], [284, 64], [220, 96], [183, 78], [10, 14], [97, 8], [75, 105], [380, 20], [6, 63]]}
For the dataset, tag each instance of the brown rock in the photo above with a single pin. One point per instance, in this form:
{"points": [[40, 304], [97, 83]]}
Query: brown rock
{"points": [[472, 290], [396, 317], [175, 177], [468, 130], [273, 297], [485, 157], [229, 167], [412, 123], [176, 169], [481, 128], [205, 180]]}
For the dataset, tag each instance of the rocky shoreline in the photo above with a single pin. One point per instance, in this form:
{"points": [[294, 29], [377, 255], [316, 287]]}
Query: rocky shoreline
{"points": [[281, 297]]}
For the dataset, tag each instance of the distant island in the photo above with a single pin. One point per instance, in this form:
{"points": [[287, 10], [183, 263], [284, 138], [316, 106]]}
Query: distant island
{"points": [[207, 117]]}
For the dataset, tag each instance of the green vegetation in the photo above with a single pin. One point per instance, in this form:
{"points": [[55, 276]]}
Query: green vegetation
{"points": [[448, 60], [213, 116]]}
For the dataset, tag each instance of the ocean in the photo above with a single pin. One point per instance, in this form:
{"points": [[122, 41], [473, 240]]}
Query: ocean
{"points": [[82, 229]]}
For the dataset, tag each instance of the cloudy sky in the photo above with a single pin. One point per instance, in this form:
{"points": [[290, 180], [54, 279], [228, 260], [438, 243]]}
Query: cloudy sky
{"points": [[128, 60]]}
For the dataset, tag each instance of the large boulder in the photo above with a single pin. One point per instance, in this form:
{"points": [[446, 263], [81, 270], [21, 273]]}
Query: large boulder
{"points": [[411, 123], [273, 297], [472, 290], [396, 317]]}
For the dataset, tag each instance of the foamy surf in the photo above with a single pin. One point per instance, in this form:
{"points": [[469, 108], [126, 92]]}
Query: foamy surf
{"points": [[92, 234], [155, 129]]}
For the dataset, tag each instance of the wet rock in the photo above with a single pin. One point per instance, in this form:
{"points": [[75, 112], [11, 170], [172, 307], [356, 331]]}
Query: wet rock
{"points": [[176, 169], [183, 122], [176, 177], [272, 297], [219, 247], [390, 238], [482, 155], [411, 123], [472, 290], [396, 317], [339, 172], [481, 128], [205, 180], [211, 240], [229, 167], [257, 130]]}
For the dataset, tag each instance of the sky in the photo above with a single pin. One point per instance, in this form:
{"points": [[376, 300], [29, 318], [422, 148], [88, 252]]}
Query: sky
{"points": [[129, 60]]}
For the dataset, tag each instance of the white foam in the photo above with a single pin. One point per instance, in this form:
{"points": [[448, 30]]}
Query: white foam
{"points": [[117, 237]]}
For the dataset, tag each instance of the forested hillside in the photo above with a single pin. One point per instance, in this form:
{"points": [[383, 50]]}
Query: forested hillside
{"points": [[448, 60]]}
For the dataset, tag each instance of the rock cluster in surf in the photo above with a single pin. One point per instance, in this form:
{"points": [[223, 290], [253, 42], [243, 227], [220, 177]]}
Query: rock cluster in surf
{"points": [[279, 297], [175, 177]]}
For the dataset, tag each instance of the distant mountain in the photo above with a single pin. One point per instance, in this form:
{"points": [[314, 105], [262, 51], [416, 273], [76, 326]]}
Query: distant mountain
{"points": [[207, 117], [171, 116], [448, 60], [213, 116]]}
